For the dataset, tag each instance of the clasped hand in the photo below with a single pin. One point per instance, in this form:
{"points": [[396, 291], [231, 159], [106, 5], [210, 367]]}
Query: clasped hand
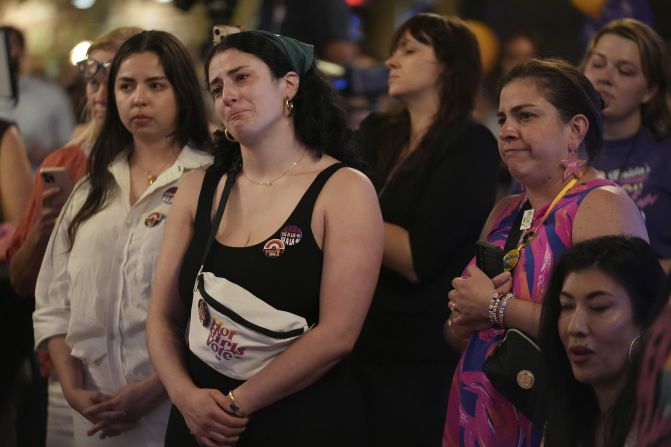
{"points": [[207, 413], [112, 415], [470, 299]]}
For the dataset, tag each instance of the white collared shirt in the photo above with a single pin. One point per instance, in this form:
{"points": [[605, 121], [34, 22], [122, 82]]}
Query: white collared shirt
{"points": [[97, 294]]}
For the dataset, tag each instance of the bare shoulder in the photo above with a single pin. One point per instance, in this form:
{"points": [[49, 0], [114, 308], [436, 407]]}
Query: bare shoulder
{"points": [[192, 179], [608, 210], [606, 198], [186, 197], [348, 184], [11, 140]]}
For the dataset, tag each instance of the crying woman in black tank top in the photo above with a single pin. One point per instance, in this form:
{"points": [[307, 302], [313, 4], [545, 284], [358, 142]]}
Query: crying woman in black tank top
{"points": [[301, 234]]}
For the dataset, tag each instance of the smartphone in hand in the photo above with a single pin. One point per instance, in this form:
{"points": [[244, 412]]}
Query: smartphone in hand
{"points": [[57, 176], [489, 258]]}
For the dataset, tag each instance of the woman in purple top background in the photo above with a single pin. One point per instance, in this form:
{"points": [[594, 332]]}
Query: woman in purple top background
{"points": [[629, 64]]}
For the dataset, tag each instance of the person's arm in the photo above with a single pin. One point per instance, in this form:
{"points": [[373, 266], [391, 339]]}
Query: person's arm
{"points": [[604, 211], [397, 251], [452, 207], [24, 265], [204, 410], [71, 377], [472, 294], [115, 414], [352, 246], [457, 334], [666, 265], [52, 314], [15, 176], [607, 210]]}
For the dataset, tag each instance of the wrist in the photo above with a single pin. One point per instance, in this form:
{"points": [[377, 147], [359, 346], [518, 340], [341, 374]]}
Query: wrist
{"points": [[235, 407], [501, 309], [153, 387], [494, 302], [35, 244], [180, 391]]}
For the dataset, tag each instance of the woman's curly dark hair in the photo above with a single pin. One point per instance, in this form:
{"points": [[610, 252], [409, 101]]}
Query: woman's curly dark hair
{"points": [[319, 120]]}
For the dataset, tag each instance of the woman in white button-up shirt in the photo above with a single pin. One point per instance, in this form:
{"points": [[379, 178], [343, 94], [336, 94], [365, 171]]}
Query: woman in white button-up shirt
{"points": [[94, 285]]}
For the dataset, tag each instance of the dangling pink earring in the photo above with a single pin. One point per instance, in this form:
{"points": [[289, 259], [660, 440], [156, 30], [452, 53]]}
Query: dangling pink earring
{"points": [[572, 165]]}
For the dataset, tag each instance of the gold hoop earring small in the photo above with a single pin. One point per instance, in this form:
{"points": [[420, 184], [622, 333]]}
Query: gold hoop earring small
{"points": [[289, 105], [229, 137], [631, 347]]}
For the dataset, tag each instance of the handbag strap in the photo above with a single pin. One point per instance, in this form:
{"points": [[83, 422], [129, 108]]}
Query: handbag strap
{"points": [[230, 179], [515, 230]]}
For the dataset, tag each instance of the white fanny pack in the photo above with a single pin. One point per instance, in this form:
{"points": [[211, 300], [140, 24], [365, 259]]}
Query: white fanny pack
{"points": [[230, 329], [236, 333]]}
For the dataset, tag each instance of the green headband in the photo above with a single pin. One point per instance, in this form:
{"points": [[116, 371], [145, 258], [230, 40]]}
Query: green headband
{"points": [[300, 55]]}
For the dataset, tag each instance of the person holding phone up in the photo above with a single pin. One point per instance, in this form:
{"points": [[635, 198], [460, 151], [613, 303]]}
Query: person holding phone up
{"points": [[550, 117], [15, 181], [32, 233]]}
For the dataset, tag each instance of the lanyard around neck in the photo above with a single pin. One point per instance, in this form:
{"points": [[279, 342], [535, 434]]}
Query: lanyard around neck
{"points": [[512, 257]]}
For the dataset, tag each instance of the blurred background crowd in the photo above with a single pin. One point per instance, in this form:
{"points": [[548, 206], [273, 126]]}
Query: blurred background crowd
{"points": [[352, 33]]}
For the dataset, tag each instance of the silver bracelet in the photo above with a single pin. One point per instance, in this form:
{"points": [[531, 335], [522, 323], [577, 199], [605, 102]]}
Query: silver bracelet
{"points": [[502, 308], [493, 305]]}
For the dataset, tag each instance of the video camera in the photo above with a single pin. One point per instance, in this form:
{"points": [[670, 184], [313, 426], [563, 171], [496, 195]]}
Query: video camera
{"points": [[355, 81]]}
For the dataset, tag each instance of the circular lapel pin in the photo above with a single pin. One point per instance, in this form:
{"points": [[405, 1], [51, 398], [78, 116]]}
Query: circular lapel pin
{"points": [[291, 235], [153, 219], [525, 379], [203, 313], [169, 194], [273, 248]]}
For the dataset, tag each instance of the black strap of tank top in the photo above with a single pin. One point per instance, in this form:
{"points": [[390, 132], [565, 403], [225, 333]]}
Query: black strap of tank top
{"points": [[230, 179], [315, 188]]}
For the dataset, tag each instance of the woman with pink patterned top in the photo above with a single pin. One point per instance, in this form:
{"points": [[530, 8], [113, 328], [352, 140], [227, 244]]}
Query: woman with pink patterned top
{"points": [[550, 117]]}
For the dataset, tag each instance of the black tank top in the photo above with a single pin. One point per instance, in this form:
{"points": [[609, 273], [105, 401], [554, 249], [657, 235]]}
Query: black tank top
{"points": [[287, 275], [284, 270]]}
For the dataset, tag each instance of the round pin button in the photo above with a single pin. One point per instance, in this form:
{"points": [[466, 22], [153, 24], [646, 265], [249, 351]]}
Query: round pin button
{"points": [[153, 219], [169, 195], [203, 313], [291, 235], [273, 248], [525, 379]]}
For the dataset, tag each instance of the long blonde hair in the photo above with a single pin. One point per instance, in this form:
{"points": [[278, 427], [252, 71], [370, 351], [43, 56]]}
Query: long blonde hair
{"points": [[110, 41]]}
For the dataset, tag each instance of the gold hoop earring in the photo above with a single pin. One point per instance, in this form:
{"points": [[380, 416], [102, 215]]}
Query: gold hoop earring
{"points": [[289, 105], [631, 347], [229, 137]]}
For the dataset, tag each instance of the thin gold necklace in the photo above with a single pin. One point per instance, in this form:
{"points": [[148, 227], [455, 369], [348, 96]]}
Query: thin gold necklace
{"points": [[151, 178], [270, 182]]}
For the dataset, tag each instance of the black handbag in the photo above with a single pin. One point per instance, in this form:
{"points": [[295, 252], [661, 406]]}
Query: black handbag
{"points": [[517, 371], [516, 367]]}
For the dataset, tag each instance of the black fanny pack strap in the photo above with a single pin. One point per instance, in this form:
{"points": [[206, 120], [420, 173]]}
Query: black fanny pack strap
{"points": [[230, 179], [515, 231]]}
